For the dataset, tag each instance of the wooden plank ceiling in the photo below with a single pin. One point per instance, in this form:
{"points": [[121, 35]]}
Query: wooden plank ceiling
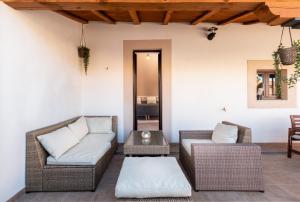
{"points": [[220, 12]]}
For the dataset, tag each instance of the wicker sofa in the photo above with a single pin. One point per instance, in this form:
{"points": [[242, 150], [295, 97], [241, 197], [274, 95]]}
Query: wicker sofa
{"points": [[43, 177], [223, 167]]}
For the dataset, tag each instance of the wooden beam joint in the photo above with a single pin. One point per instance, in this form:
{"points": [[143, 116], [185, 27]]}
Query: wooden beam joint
{"points": [[134, 16], [103, 16], [71, 16], [167, 17], [205, 16], [236, 18]]}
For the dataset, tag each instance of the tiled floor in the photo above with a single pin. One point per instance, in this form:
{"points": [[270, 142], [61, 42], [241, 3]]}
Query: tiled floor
{"points": [[281, 176]]}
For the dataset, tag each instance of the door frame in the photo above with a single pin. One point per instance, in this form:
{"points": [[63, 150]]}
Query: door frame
{"points": [[159, 51]]}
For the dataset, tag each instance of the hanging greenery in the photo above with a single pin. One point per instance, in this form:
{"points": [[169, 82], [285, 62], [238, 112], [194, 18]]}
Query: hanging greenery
{"points": [[292, 79], [278, 75], [84, 51], [286, 56]]}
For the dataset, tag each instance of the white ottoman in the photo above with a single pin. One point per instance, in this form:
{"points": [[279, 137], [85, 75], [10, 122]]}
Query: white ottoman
{"points": [[151, 177]]}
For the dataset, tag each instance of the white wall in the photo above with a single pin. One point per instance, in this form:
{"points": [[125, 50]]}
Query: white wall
{"points": [[39, 83], [40, 80], [206, 75]]}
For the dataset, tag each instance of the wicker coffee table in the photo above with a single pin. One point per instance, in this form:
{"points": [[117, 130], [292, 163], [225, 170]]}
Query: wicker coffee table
{"points": [[156, 145]]}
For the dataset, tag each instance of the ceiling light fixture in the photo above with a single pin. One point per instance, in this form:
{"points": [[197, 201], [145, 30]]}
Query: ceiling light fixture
{"points": [[148, 56]]}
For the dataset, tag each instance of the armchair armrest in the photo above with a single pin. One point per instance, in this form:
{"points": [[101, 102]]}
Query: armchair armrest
{"points": [[229, 151], [227, 167], [195, 134]]}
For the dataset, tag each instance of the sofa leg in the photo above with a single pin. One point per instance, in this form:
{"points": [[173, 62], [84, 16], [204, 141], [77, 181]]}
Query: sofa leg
{"points": [[262, 191]]}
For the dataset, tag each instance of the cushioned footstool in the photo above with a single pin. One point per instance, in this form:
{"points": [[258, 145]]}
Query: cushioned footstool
{"points": [[151, 177]]}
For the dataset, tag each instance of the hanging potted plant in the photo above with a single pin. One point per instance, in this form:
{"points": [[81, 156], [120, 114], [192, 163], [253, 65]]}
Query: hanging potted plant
{"points": [[287, 54], [293, 78], [84, 51]]}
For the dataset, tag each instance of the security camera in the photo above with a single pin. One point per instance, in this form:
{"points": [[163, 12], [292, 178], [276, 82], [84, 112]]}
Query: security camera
{"points": [[212, 33]]}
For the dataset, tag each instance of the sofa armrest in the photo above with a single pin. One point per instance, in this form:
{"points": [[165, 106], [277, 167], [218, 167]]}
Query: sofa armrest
{"points": [[195, 134], [230, 156], [228, 151]]}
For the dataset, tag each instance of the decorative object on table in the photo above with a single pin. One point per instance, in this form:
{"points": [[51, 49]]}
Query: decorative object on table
{"points": [[135, 144], [84, 51], [146, 134], [146, 141], [286, 56]]}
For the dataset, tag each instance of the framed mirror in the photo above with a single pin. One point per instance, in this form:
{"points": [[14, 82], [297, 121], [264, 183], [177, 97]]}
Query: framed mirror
{"points": [[147, 90]]}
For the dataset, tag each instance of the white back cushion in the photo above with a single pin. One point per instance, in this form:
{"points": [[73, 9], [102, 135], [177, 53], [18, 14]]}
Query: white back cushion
{"points": [[99, 124], [139, 100], [58, 142], [79, 128], [151, 100], [225, 133]]}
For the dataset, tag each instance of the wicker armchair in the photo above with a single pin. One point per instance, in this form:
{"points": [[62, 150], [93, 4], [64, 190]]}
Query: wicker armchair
{"points": [[43, 177], [223, 167]]}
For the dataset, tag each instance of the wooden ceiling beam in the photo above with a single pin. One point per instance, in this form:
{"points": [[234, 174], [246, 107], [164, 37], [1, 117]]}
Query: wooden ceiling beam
{"points": [[84, 6], [274, 20], [167, 17], [251, 22], [286, 9], [205, 16], [236, 18], [241, 15], [71, 16], [134, 16], [279, 2], [103, 16]]}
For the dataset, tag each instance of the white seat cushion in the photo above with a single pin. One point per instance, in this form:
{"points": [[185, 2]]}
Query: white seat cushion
{"points": [[90, 149], [108, 137], [225, 133], [99, 124], [58, 142], [296, 137], [79, 128], [187, 143], [150, 177]]}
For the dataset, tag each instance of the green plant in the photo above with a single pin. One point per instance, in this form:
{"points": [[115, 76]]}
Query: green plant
{"points": [[293, 78], [84, 53], [277, 67]]}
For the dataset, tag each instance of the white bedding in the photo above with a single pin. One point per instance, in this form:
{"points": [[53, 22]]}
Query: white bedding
{"points": [[150, 177], [90, 149]]}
